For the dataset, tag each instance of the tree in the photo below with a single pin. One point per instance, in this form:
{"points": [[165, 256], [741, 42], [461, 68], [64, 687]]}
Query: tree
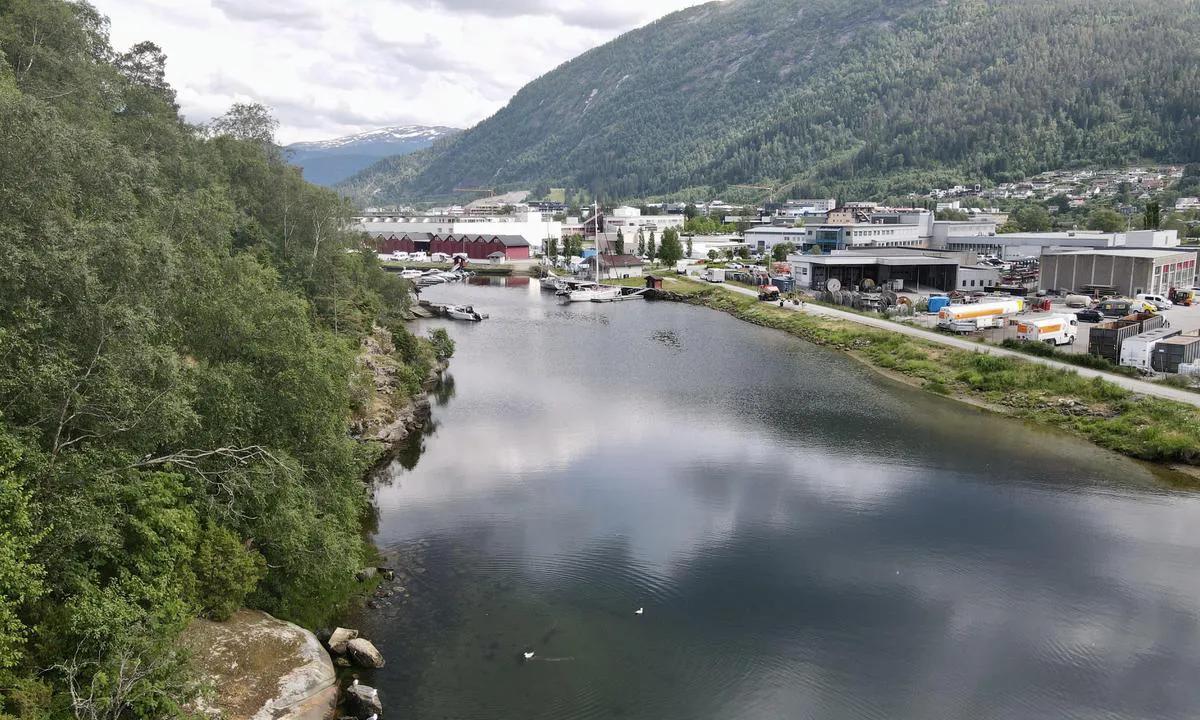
{"points": [[743, 252], [689, 246], [619, 245], [1106, 220], [780, 251], [689, 211], [650, 247], [1152, 216], [144, 65], [1033, 218], [251, 122], [815, 250], [952, 214], [641, 248], [671, 250], [712, 255], [552, 248]]}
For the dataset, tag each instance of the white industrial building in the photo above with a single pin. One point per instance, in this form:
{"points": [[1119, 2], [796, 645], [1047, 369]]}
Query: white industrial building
{"points": [[1014, 246], [630, 219], [533, 226]]}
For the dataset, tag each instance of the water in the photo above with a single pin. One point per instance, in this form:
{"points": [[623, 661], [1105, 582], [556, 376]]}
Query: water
{"points": [[807, 539]]}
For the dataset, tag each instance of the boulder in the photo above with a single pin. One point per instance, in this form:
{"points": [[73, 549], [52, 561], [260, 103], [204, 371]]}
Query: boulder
{"points": [[261, 668], [363, 701], [366, 574], [364, 654], [339, 638]]}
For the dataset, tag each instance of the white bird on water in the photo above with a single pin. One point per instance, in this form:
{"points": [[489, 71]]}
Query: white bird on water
{"points": [[528, 654], [374, 716], [354, 683], [639, 611]]}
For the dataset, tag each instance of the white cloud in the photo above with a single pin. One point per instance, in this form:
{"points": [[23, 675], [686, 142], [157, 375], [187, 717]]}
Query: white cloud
{"points": [[330, 70]]}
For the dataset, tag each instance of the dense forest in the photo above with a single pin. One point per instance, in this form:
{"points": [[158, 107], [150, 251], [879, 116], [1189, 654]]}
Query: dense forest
{"points": [[180, 316], [822, 98]]}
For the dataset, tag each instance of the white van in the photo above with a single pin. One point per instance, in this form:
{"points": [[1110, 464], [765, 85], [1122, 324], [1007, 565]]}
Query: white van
{"points": [[1157, 301]]}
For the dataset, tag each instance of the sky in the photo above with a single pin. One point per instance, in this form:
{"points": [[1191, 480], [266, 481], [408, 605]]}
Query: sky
{"points": [[332, 69]]}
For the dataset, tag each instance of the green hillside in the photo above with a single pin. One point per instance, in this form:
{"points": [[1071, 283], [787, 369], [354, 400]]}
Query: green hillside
{"points": [[850, 96], [179, 331]]}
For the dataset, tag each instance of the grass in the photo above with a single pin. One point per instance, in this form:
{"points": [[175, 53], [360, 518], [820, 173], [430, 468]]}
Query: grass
{"points": [[1095, 409]]}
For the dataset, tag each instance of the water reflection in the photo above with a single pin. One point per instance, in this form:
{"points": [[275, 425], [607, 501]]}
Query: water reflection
{"points": [[807, 540]]}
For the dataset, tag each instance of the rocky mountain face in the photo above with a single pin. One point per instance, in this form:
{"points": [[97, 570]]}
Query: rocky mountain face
{"points": [[329, 161], [835, 96]]}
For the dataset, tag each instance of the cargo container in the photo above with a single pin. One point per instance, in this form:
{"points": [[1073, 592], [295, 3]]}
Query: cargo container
{"points": [[1055, 330], [1137, 351], [937, 302], [1105, 339], [1172, 352], [968, 318], [1144, 321]]}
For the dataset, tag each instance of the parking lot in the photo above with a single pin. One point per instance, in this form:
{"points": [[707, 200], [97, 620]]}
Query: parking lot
{"points": [[1184, 319]]}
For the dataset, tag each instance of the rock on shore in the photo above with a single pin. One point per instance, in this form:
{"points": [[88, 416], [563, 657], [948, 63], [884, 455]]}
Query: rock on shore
{"points": [[364, 654], [262, 668]]}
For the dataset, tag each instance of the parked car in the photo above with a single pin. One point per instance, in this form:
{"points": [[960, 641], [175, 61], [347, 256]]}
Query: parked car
{"points": [[1159, 301], [1090, 315]]}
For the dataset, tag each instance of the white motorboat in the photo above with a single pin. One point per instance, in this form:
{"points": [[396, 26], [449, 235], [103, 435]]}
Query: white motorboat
{"points": [[463, 312]]}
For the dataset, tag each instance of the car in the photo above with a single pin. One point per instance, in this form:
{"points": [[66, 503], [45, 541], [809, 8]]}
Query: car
{"points": [[1090, 315], [1157, 301]]}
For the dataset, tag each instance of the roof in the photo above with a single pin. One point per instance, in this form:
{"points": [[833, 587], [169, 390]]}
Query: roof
{"points": [[617, 261], [1118, 252], [893, 261]]}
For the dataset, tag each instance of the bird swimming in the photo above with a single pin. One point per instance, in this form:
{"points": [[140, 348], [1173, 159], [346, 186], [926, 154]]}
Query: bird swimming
{"points": [[528, 654], [639, 611], [355, 682]]}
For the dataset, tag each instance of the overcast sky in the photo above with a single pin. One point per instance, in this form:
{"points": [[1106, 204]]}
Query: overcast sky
{"points": [[330, 69]]}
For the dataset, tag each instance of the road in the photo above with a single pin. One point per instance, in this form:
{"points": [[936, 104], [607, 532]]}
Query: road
{"points": [[1139, 386]]}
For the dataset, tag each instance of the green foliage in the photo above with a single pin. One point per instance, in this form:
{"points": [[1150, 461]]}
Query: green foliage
{"points": [[1152, 216], [780, 251], [443, 344], [671, 250], [1106, 220], [952, 214], [226, 572], [619, 245], [179, 318], [866, 99]]}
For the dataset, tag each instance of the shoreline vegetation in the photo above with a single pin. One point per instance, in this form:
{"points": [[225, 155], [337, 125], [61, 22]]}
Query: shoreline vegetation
{"points": [[182, 324], [1140, 427]]}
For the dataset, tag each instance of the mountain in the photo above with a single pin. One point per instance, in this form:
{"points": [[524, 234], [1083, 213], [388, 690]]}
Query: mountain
{"points": [[328, 161], [850, 97]]}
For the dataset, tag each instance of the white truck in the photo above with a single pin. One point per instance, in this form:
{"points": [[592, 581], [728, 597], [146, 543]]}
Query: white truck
{"points": [[715, 275], [1055, 330], [969, 318]]}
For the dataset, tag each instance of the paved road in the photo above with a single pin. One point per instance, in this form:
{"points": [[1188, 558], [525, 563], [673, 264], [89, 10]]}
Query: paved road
{"points": [[1139, 386]]}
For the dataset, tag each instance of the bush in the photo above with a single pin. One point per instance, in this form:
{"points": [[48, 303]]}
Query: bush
{"points": [[226, 572], [443, 344]]}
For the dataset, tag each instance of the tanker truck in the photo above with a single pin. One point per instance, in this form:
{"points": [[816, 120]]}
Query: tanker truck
{"points": [[1055, 330], [969, 318]]}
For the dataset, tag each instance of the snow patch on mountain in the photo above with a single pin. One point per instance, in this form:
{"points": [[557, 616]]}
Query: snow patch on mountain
{"points": [[398, 134]]}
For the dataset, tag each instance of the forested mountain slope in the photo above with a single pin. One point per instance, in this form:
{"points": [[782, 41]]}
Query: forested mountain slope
{"points": [[852, 95], [179, 323]]}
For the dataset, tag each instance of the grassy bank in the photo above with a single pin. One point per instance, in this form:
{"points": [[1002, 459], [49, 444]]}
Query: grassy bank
{"points": [[1134, 425]]}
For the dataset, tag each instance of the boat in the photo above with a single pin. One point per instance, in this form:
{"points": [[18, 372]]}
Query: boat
{"points": [[551, 282], [593, 292], [463, 312]]}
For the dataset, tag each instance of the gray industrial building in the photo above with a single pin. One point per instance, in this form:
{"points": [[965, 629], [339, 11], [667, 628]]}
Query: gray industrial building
{"points": [[1129, 272], [813, 272]]}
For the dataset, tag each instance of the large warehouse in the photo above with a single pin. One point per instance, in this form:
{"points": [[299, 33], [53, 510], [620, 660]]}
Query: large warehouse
{"points": [[1128, 271], [814, 271]]}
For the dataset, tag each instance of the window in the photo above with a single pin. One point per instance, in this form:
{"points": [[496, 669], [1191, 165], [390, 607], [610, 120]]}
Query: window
{"points": [[972, 283]]}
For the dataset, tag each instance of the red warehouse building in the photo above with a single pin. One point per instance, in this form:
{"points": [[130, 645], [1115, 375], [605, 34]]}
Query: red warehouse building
{"points": [[479, 247]]}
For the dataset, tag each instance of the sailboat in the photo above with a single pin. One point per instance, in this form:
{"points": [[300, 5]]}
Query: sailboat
{"points": [[594, 291]]}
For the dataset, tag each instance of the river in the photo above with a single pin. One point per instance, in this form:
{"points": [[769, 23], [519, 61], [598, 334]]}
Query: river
{"points": [[807, 539]]}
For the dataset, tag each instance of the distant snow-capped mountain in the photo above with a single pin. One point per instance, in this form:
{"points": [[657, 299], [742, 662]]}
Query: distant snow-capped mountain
{"points": [[325, 162]]}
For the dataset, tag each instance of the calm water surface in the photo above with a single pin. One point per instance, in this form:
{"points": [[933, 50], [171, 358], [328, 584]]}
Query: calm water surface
{"points": [[807, 540]]}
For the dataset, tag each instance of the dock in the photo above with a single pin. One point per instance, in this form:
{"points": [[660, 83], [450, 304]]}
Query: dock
{"points": [[627, 293]]}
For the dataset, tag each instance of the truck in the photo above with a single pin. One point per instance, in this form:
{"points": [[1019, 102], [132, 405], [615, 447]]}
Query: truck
{"points": [[768, 292], [969, 318], [1138, 351], [1054, 330], [715, 275]]}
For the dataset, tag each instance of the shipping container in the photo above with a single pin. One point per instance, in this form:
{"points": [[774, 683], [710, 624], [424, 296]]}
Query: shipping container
{"points": [[1172, 352], [1105, 339]]}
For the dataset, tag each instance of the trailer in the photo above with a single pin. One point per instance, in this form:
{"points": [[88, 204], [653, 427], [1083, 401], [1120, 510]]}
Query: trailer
{"points": [[1054, 330], [1172, 352], [714, 275], [969, 318], [1138, 351], [1105, 339]]}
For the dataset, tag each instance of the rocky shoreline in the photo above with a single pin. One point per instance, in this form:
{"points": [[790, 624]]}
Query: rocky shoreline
{"points": [[385, 420]]}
